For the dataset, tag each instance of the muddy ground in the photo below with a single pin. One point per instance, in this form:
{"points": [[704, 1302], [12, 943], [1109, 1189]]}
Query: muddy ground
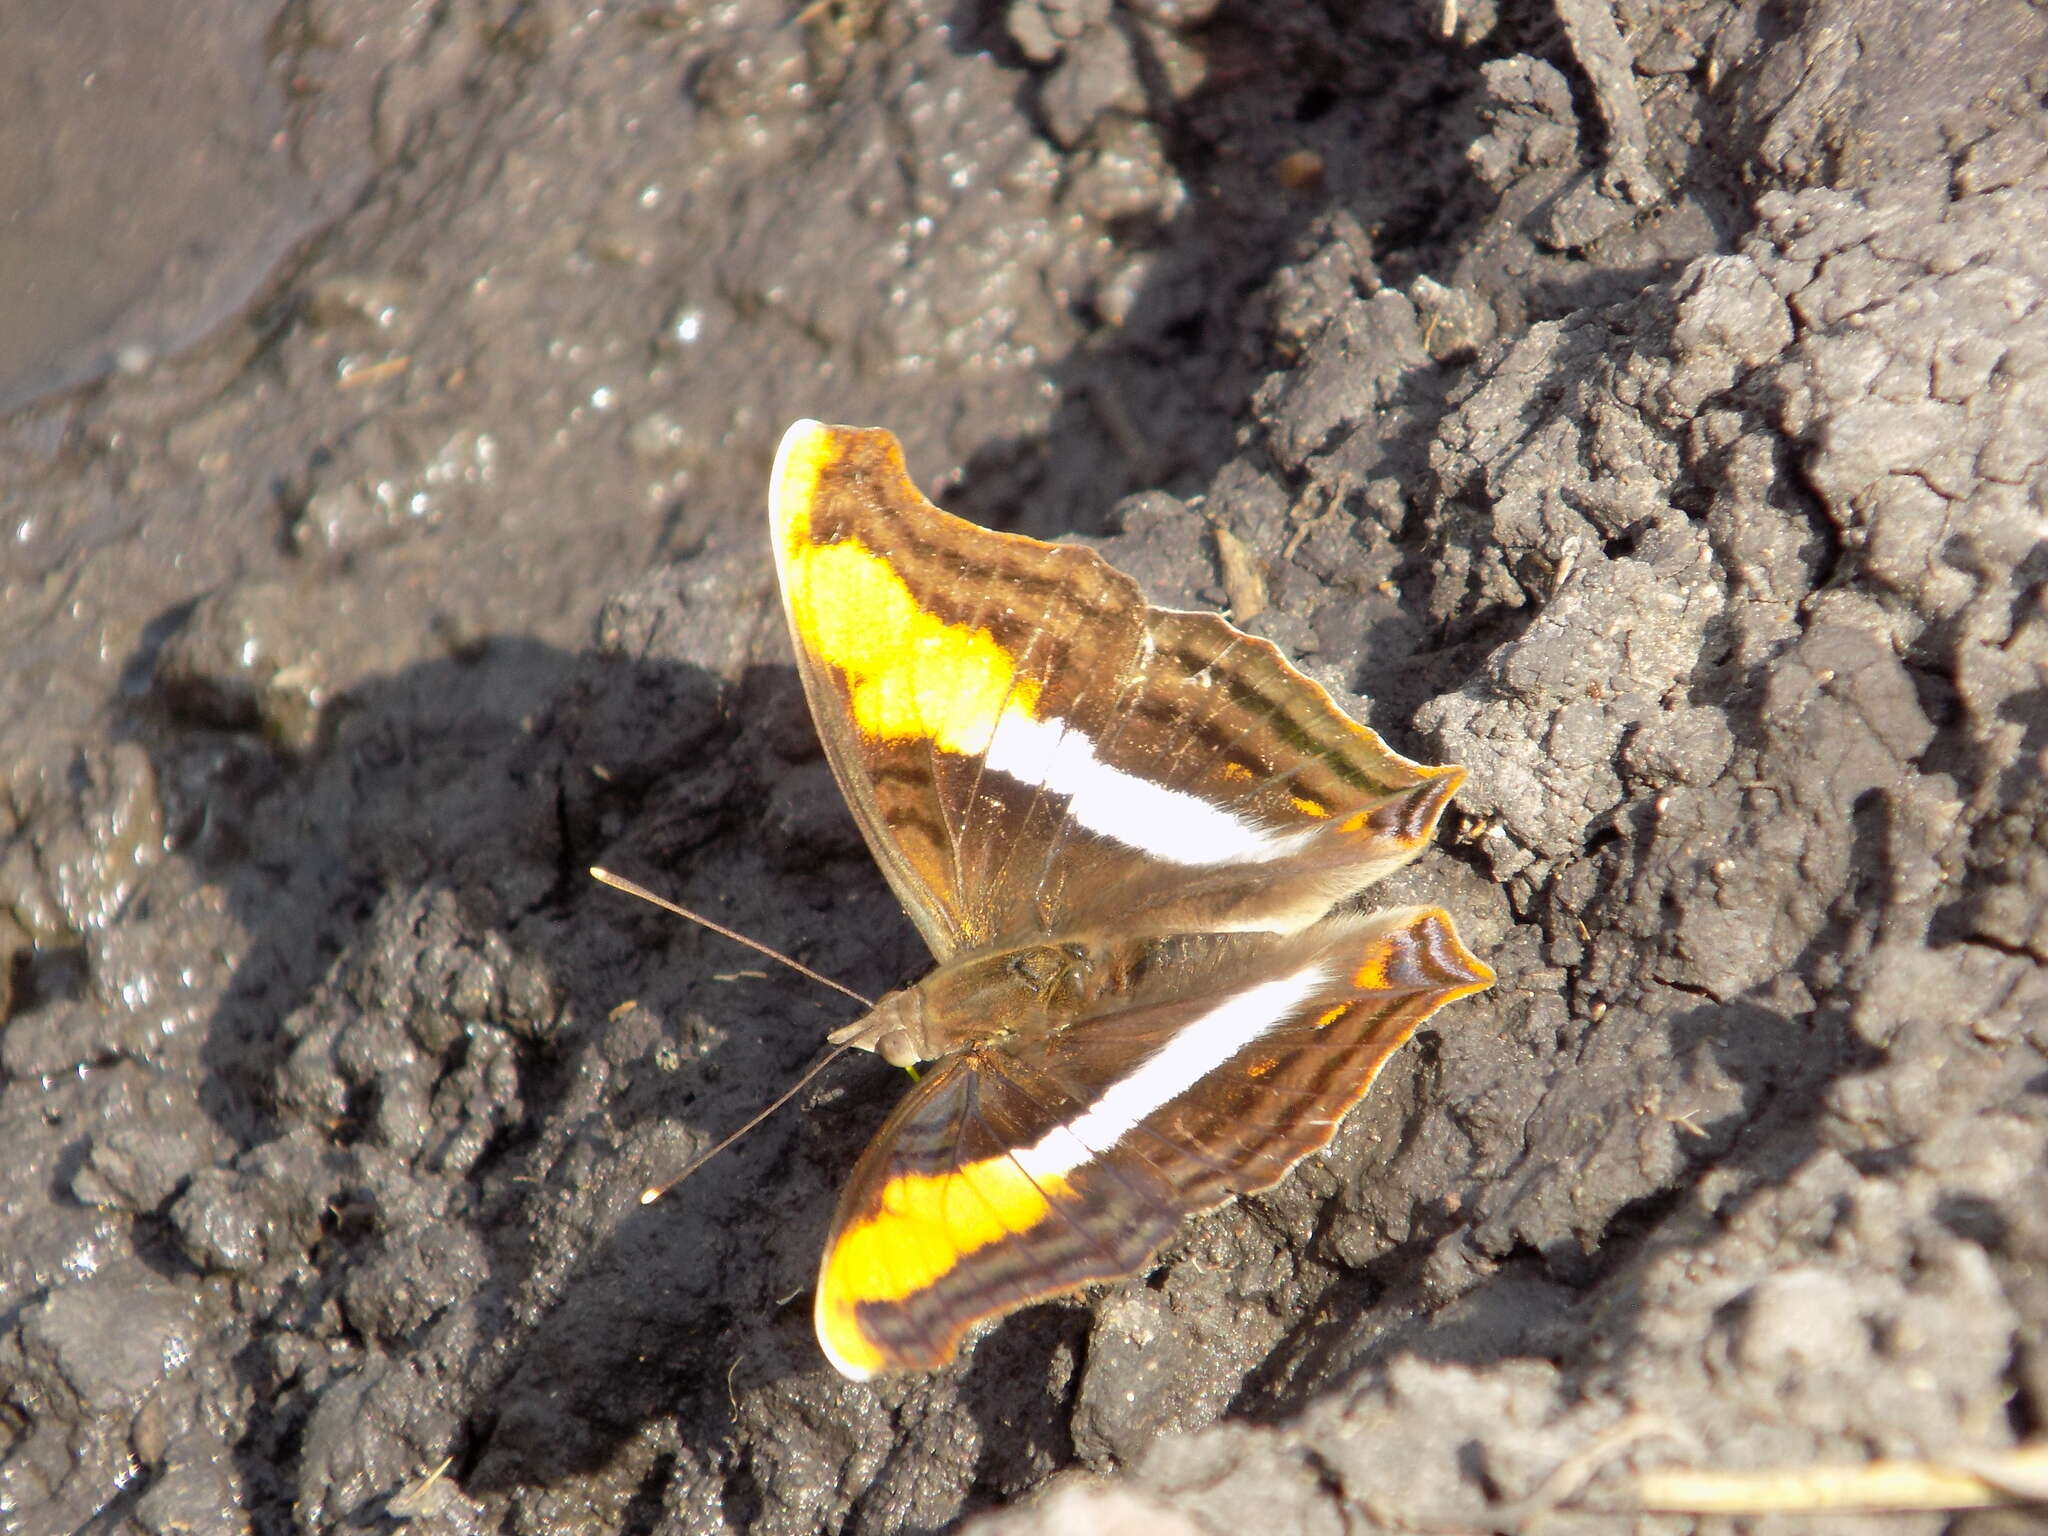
{"points": [[1645, 406]]}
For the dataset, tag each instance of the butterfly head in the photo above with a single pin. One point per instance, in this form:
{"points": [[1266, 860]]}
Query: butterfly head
{"points": [[973, 1001], [894, 1029]]}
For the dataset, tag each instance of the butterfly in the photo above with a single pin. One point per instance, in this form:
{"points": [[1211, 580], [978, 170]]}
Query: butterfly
{"points": [[1130, 837]]}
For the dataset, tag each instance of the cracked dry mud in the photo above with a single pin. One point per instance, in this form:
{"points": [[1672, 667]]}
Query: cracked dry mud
{"points": [[1646, 407]]}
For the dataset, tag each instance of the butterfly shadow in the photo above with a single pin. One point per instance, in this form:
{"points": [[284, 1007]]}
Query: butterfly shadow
{"points": [[424, 1071], [684, 1306], [398, 885]]}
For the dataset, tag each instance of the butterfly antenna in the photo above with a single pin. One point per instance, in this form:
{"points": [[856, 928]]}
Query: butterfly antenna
{"points": [[633, 888], [654, 1192]]}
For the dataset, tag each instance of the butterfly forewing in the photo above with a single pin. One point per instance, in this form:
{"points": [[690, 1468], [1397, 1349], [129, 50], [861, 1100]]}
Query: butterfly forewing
{"points": [[1026, 743], [918, 636], [1265, 803]]}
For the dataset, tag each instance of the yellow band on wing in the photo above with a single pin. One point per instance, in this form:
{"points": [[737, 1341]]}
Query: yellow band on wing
{"points": [[910, 675], [1371, 975], [920, 1228]]}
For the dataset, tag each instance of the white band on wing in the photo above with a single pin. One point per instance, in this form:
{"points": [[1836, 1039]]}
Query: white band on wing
{"points": [[1168, 824], [1198, 1048]]}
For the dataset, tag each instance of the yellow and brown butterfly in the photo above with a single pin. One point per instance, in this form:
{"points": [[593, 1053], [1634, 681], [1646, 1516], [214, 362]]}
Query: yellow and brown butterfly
{"points": [[1128, 835]]}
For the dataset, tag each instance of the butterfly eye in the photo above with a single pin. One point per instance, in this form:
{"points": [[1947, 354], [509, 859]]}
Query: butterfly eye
{"points": [[898, 1049]]}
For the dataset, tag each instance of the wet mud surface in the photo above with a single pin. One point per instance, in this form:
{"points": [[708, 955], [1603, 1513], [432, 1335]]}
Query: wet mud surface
{"points": [[1640, 406]]}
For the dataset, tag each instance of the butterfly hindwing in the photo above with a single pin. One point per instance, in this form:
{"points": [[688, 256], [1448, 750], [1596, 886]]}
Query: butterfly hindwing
{"points": [[1029, 1166], [942, 1225]]}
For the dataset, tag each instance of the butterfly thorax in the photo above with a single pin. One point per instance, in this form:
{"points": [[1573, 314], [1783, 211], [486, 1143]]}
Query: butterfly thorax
{"points": [[1029, 990]]}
